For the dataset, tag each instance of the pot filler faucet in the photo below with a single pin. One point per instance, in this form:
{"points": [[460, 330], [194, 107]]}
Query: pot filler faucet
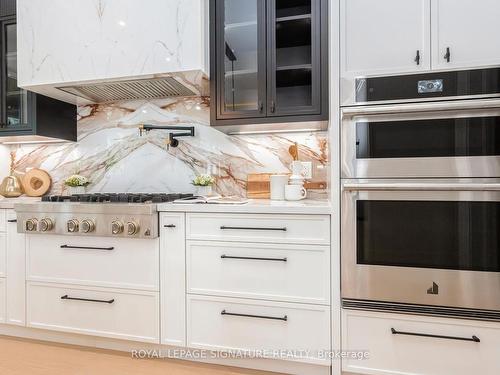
{"points": [[187, 131]]}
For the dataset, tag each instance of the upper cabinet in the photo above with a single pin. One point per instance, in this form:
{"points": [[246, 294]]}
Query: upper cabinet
{"points": [[465, 33], [384, 36], [269, 61]]}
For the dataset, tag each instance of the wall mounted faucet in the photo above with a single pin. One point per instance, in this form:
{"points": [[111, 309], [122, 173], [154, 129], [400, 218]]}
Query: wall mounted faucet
{"points": [[187, 131]]}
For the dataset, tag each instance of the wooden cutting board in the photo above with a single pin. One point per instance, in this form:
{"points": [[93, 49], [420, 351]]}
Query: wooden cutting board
{"points": [[36, 182], [259, 185]]}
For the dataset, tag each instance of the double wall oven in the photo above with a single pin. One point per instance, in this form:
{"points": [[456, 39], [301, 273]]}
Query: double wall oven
{"points": [[421, 194]]}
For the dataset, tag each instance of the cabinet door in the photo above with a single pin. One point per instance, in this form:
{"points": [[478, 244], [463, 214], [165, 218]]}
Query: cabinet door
{"points": [[465, 33], [384, 36], [240, 58], [14, 101], [16, 274], [294, 57]]}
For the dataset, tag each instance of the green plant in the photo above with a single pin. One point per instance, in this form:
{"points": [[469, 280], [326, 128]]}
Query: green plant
{"points": [[76, 180], [203, 180]]}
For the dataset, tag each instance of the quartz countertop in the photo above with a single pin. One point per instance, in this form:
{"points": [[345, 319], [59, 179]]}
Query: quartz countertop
{"points": [[8, 203], [255, 206]]}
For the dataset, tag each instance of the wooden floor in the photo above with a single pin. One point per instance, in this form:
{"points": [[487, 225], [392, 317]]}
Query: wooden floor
{"points": [[26, 357]]}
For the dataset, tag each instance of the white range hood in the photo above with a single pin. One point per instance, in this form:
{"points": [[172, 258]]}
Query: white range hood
{"points": [[93, 51]]}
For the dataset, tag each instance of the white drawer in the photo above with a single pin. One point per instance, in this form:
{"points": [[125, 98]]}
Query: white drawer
{"points": [[289, 273], [3, 254], [3, 220], [131, 315], [132, 263], [300, 229], [409, 354], [212, 326], [2, 300]]}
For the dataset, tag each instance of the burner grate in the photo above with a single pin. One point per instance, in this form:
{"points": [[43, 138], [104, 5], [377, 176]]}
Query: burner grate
{"points": [[116, 197]]}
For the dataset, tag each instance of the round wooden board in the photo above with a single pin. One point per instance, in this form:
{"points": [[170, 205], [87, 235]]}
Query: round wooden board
{"points": [[36, 182]]}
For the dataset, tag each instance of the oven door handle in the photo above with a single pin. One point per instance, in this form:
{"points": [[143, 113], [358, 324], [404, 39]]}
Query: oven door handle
{"points": [[419, 186]]}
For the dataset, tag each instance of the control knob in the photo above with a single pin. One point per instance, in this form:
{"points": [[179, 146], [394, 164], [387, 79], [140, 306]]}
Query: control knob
{"points": [[116, 227], [132, 228], [31, 225], [87, 226], [46, 225], [72, 226]]}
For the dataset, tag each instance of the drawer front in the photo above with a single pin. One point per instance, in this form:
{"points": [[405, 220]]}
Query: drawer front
{"points": [[99, 261], [217, 323], [401, 353], [288, 273], [2, 300], [300, 229], [111, 313], [3, 220]]}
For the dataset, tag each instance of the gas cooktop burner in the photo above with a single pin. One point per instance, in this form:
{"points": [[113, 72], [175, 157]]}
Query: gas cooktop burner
{"points": [[116, 197]]}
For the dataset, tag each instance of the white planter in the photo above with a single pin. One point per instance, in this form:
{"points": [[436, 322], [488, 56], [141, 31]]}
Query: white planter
{"points": [[204, 190], [76, 190]]}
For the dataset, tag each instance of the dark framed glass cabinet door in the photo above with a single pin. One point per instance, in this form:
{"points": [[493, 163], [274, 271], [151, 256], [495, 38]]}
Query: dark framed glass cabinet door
{"points": [[294, 54], [241, 58], [15, 102]]}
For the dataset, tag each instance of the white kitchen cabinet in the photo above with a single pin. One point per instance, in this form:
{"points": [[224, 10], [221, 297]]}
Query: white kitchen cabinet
{"points": [[3, 254], [470, 30], [399, 353], [384, 36], [2, 300], [173, 279], [15, 286]]}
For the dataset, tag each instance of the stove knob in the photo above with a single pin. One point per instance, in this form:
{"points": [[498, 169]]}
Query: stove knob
{"points": [[72, 226], [87, 226], [31, 225], [46, 225], [132, 228], [116, 227]]}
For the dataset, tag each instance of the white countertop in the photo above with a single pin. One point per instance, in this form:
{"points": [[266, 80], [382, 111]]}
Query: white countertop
{"points": [[255, 206], [8, 203]]}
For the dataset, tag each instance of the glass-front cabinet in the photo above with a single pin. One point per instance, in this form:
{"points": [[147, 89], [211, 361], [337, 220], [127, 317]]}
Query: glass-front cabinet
{"points": [[269, 61]]}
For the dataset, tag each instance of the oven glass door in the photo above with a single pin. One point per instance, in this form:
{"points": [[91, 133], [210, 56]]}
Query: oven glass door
{"points": [[444, 144], [398, 244]]}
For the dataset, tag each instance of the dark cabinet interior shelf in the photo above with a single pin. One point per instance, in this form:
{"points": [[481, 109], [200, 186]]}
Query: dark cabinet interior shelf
{"points": [[290, 8]]}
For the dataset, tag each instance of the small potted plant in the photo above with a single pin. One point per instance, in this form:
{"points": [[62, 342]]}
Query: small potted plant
{"points": [[203, 183], [76, 184]]}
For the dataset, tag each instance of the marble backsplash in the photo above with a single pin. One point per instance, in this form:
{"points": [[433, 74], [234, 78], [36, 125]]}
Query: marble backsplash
{"points": [[115, 158]]}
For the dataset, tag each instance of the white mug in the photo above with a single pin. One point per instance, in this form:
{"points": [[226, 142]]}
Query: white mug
{"points": [[278, 183], [295, 192]]}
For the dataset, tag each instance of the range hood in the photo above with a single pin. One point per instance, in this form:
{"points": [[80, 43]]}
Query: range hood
{"points": [[114, 50]]}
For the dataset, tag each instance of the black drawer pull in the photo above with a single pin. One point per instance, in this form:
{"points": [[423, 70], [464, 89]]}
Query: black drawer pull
{"points": [[285, 318], [224, 256], [473, 338], [12, 221], [110, 301], [223, 227], [169, 226], [87, 247]]}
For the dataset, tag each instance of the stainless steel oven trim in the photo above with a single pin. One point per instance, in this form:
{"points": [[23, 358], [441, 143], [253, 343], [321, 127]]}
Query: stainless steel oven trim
{"points": [[438, 167], [460, 289]]}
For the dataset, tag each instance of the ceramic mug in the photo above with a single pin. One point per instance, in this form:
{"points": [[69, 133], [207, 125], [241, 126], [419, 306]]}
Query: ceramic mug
{"points": [[295, 192], [278, 183]]}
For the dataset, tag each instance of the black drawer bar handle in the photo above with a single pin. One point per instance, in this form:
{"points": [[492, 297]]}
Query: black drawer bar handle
{"points": [[169, 226], [252, 228], [224, 256], [110, 301], [87, 247], [473, 338], [12, 221], [284, 318]]}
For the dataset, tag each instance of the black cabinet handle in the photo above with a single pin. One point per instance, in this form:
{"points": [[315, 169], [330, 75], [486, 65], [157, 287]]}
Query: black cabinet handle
{"points": [[473, 338], [224, 256], [273, 106], [223, 227], [261, 106], [417, 58], [110, 301], [284, 318], [447, 56], [87, 247], [12, 221], [169, 226]]}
